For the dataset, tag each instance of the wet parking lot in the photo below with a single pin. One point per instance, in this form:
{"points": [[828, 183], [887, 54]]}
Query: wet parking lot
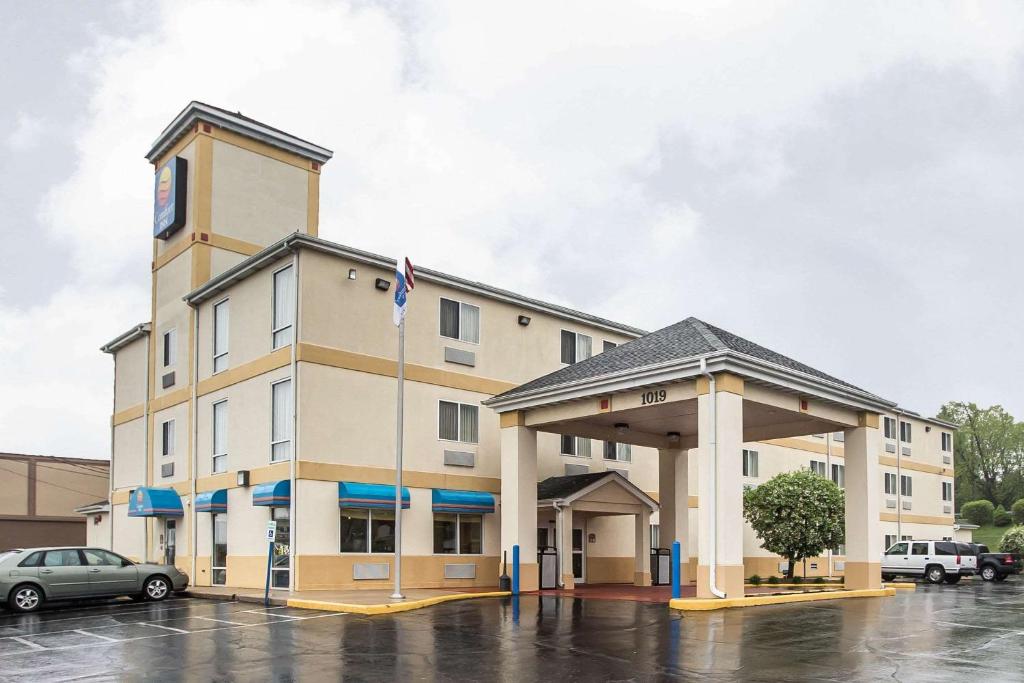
{"points": [[971, 631]]}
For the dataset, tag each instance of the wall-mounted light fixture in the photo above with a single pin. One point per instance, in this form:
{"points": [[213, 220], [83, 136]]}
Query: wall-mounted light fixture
{"points": [[927, 428], [673, 437], [621, 427], [382, 284], [351, 273], [524, 320], [242, 478]]}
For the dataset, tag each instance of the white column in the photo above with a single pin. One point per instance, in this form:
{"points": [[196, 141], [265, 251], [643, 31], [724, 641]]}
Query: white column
{"points": [[642, 557], [674, 496], [519, 497], [723, 487], [565, 547], [863, 531]]}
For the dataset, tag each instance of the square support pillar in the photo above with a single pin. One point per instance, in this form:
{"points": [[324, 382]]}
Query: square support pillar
{"points": [[519, 498], [720, 488], [674, 497], [642, 571], [565, 548], [863, 533]]}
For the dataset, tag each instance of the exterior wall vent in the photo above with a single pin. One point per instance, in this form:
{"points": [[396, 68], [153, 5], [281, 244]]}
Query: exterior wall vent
{"points": [[890, 448], [460, 571], [366, 571], [460, 357], [460, 458], [167, 380]]}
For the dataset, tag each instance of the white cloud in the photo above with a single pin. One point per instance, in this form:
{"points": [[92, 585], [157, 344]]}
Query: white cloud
{"points": [[26, 133], [645, 161]]}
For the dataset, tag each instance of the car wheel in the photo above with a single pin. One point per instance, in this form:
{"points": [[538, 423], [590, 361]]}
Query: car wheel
{"points": [[988, 573], [953, 579], [26, 598], [888, 577], [1002, 577], [935, 574], [156, 588]]}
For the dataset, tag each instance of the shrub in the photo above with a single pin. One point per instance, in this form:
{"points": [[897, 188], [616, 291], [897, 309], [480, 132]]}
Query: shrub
{"points": [[1000, 517], [820, 579], [755, 580], [773, 580], [1013, 540], [1017, 509], [978, 512], [798, 579]]}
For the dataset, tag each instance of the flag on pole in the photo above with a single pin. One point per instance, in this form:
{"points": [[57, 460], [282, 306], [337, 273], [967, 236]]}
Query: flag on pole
{"points": [[404, 282]]}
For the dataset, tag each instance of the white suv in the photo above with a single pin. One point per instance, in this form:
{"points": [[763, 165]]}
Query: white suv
{"points": [[936, 561]]}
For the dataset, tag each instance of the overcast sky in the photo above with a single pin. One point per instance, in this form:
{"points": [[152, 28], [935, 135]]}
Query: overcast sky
{"points": [[841, 182]]}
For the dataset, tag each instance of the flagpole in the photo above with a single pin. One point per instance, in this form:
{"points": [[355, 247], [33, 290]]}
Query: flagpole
{"points": [[397, 595]]}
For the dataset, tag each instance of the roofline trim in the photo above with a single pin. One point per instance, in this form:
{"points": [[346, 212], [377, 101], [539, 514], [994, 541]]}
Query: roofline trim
{"points": [[137, 332], [689, 368], [598, 483], [93, 508], [300, 240], [196, 111]]}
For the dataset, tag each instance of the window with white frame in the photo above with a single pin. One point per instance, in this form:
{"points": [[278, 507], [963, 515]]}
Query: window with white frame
{"points": [[749, 463], [220, 336], [458, 422], [281, 420], [460, 321], [575, 347], [170, 352], [947, 491], [889, 425], [905, 435], [906, 485], [818, 467], [220, 437], [890, 483], [621, 452], [167, 438], [947, 442], [284, 307], [458, 534], [839, 475], [576, 445], [367, 531]]}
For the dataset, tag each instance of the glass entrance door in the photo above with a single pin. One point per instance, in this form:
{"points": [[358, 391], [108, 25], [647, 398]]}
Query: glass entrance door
{"points": [[279, 575], [577, 555], [219, 559], [170, 540]]}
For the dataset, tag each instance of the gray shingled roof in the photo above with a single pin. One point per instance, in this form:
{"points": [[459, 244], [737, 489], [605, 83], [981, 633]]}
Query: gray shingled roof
{"points": [[687, 339], [556, 488]]}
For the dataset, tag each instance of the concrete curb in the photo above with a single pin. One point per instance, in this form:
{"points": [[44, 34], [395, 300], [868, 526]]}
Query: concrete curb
{"points": [[703, 605], [203, 595], [389, 608], [840, 586]]}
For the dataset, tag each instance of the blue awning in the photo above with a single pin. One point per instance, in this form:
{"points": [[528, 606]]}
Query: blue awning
{"points": [[212, 501], [150, 502], [277, 493], [376, 496], [462, 501]]}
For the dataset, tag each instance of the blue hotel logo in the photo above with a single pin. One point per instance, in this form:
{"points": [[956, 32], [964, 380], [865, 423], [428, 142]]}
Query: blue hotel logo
{"points": [[169, 198]]}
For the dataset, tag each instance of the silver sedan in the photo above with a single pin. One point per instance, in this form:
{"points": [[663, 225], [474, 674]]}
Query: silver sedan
{"points": [[31, 576]]}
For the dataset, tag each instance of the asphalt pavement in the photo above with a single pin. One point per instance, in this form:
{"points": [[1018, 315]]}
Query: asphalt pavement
{"points": [[971, 631]]}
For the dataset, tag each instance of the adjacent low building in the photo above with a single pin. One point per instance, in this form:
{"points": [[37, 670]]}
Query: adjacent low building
{"points": [[262, 388]]}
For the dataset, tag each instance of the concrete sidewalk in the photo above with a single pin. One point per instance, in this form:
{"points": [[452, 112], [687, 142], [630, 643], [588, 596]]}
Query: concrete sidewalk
{"points": [[355, 601]]}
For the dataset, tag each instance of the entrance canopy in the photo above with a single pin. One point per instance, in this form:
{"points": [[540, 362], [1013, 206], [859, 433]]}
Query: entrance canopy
{"points": [[153, 502], [607, 493]]}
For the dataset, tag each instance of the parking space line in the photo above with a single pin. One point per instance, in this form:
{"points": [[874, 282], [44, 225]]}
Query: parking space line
{"points": [[132, 611], [166, 628], [268, 614], [29, 643], [222, 621], [96, 635]]}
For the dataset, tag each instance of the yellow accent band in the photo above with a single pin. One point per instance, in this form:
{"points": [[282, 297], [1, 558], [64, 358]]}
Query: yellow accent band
{"points": [[915, 519], [702, 605], [390, 608], [905, 464], [254, 368], [127, 415], [867, 420], [516, 418]]}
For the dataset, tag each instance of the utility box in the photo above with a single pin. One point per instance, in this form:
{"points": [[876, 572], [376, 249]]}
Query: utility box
{"points": [[547, 561], [661, 566]]}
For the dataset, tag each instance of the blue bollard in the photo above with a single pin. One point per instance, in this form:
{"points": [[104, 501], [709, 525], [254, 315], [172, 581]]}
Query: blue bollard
{"points": [[677, 589], [515, 570]]}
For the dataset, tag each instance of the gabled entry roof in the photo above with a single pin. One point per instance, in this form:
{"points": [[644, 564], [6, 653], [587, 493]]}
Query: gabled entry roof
{"points": [[571, 487], [675, 352]]}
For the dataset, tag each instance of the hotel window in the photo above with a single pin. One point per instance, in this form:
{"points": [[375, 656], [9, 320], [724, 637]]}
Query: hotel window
{"points": [[947, 491], [458, 422], [220, 437], [219, 559], [167, 438], [890, 483], [890, 427], [839, 475], [621, 452], [905, 432], [608, 345], [281, 421], [284, 307], [575, 347], [906, 485], [749, 463], [818, 468], [460, 321], [220, 336], [947, 441], [576, 445], [169, 351], [458, 534], [367, 531]]}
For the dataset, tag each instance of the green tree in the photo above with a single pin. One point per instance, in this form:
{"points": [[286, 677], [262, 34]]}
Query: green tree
{"points": [[1018, 511], [796, 515], [1000, 517], [989, 453], [980, 512], [1013, 541]]}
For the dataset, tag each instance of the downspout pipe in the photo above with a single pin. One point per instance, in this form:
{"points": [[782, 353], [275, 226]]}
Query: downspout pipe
{"points": [[293, 512], [713, 448], [194, 465]]}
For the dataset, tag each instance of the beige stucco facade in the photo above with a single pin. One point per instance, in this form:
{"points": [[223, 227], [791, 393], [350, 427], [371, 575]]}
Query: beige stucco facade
{"points": [[247, 199]]}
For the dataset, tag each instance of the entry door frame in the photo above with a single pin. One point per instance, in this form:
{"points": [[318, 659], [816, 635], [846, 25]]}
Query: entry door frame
{"points": [[582, 578]]}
